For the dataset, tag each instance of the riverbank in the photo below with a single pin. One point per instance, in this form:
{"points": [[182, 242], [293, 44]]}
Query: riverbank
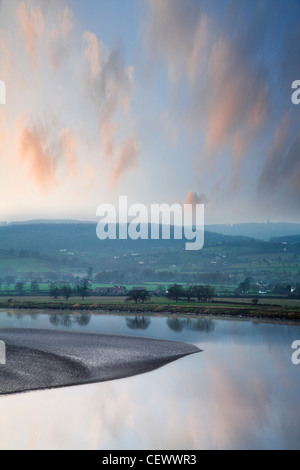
{"points": [[275, 311]]}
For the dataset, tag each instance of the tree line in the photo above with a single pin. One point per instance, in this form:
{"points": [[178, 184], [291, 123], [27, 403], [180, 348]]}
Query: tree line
{"points": [[201, 293]]}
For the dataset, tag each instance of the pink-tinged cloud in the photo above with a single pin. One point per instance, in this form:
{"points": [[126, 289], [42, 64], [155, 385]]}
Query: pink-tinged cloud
{"points": [[109, 87], [281, 170], [35, 154], [177, 32], [239, 99], [127, 160], [33, 22], [47, 152], [60, 43], [93, 52], [66, 22], [194, 198], [199, 43]]}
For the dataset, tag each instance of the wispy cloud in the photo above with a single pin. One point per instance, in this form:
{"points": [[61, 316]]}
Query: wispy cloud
{"points": [[63, 81], [109, 86], [126, 160], [33, 22], [194, 198], [231, 72], [35, 152]]}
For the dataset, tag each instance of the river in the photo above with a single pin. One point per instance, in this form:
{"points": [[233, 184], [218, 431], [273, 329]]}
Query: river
{"points": [[241, 392]]}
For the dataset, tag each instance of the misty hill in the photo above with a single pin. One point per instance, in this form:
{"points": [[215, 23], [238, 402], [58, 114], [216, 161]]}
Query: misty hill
{"points": [[259, 231], [293, 240], [51, 238], [63, 251]]}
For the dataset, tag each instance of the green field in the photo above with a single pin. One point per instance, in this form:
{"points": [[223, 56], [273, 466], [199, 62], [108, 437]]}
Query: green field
{"points": [[226, 307]]}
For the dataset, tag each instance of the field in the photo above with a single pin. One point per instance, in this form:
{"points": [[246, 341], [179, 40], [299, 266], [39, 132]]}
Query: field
{"points": [[285, 309]]}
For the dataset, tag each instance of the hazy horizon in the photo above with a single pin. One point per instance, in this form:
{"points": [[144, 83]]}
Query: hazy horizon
{"points": [[164, 102], [96, 220]]}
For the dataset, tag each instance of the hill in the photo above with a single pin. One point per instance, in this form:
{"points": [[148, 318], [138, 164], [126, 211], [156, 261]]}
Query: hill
{"points": [[259, 231], [64, 251], [292, 240]]}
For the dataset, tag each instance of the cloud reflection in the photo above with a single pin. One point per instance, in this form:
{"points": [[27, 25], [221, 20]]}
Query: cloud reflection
{"points": [[233, 396]]}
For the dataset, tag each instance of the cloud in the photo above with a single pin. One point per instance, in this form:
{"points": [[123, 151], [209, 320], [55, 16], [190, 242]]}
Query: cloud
{"points": [[47, 151], [60, 43], [239, 98], [127, 159], [194, 198], [281, 170], [68, 116], [33, 22], [176, 30], [35, 152], [93, 53], [226, 87], [109, 86], [230, 74]]}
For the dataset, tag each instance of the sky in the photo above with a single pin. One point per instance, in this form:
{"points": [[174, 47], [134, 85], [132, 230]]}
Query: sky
{"points": [[162, 101]]}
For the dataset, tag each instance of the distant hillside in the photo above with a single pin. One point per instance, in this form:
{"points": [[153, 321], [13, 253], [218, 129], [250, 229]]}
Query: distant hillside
{"points": [[259, 231], [69, 249], [50, 238], [293, 240]]}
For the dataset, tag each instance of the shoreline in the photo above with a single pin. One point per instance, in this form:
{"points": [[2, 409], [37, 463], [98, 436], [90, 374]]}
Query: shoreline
{"points": [[72, 359], [259, 312]]}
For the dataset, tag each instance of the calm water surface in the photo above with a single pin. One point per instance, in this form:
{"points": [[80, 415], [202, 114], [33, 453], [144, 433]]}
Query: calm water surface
{"points": [[241, 392]]}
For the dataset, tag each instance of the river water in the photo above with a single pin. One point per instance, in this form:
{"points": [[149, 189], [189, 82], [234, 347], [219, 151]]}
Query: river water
{"points": [[241, 392]]}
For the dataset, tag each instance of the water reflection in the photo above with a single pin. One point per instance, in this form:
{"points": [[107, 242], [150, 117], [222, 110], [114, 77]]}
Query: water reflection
{"points": [[242, 392], [200, 324], [34, 316], [67, 320], [138, 323]]}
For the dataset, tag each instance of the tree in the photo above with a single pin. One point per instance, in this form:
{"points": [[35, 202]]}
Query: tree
{"points": [[66, 292], [55, 293], [203, 293], [244, 286], [145, 296], [189, 293], [133, 294], [199, 292], [19, 287], [34, 286], [255, 301], [138, 295], [209, 293], [83, 290], [175, 292]]}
